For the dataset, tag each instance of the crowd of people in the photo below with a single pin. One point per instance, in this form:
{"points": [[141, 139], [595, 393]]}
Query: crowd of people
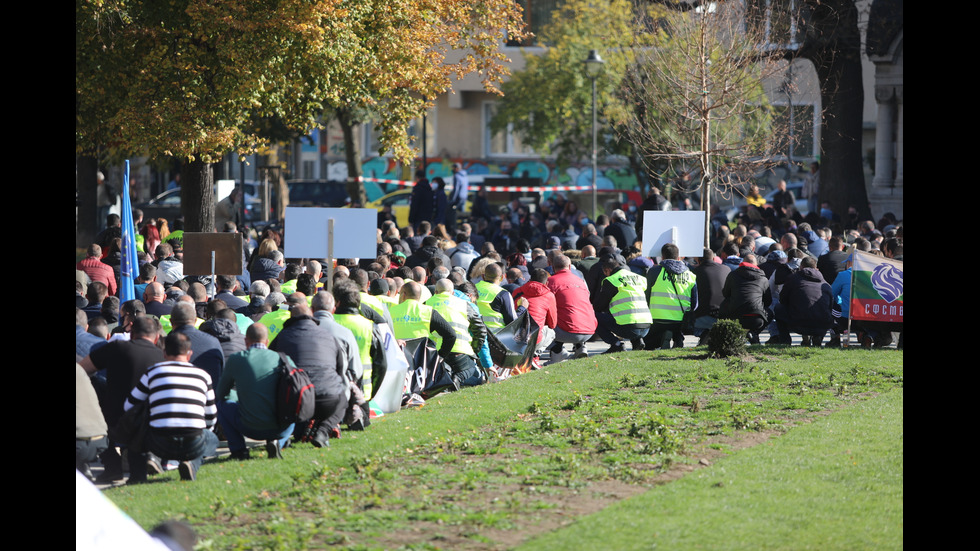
{"points": [[202, 353]]}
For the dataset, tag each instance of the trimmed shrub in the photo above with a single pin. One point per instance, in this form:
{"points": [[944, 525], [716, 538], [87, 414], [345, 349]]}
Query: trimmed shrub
{"points": [[726, 338]]}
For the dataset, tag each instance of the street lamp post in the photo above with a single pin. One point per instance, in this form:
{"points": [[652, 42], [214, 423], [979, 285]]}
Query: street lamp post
{"points": [[593, 65]]}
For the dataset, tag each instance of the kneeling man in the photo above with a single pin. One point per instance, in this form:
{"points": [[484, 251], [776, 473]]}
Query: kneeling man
{"points": [[182, 411], [247, 397]]}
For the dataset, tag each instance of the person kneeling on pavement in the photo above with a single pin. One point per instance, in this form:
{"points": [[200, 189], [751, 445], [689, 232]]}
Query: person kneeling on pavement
{"points": [[621, 306]]}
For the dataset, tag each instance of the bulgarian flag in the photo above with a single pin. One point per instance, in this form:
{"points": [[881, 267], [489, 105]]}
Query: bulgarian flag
{"points": [[877, 291]]}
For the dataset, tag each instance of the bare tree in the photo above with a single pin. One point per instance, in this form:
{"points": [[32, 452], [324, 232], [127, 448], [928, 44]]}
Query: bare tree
{"points": [[697, 99]]}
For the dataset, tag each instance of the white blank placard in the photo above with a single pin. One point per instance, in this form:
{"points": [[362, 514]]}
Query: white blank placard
{"points": [[355, 232], [658, 229]]}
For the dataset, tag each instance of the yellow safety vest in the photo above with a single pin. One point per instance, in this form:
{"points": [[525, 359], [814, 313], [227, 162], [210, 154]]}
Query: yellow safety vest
{"points": [[669, 300], [273, 321], [411, 319], [387, 301], [167, 327], [454, 310], [493, 319], [363, 330], [373, 302], [628, 305]]}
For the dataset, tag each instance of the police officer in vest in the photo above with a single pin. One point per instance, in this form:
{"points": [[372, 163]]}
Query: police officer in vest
{"points": [[621, 306], [672, 292], [470, 332]]}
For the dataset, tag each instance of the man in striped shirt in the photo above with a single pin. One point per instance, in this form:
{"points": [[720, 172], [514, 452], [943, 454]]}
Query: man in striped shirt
{"points": [[182, 410]]}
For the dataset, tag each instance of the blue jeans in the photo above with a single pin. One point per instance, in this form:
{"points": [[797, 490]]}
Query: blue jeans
{"points": [[703, 324], [230, 418], [464, 369], [185, 447]]}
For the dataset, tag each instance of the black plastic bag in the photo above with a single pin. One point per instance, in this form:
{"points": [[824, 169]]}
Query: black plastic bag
{"points": [[513, 346], [431, 376]]}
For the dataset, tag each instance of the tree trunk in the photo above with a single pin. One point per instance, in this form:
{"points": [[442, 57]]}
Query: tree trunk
{"points": [[355, 188], [197, 196], [86, 217], [833, 44], [640, 173]]}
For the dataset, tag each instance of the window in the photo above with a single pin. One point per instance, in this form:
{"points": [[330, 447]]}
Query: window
{"points": [[778, 22], [537, 14], [802, 131], [505, 143]]}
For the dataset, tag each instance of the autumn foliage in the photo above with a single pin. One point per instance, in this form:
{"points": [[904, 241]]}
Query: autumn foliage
{"points": [[194, 79]]}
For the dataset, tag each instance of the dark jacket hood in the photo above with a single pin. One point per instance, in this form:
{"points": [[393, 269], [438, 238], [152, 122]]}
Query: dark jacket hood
{"points": [[221, 328], [748, 271], [674, 266], [811, 274]]}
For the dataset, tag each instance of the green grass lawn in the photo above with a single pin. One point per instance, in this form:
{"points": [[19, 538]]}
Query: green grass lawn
{"points": [[492, 467], [836, 483]]}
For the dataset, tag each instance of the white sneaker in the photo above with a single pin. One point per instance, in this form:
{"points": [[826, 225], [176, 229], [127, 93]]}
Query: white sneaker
{"points": [[580, 351]]}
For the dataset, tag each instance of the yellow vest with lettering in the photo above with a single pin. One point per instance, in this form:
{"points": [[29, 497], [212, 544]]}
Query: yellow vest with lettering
{"points": [[629, 304], [411, 319]]}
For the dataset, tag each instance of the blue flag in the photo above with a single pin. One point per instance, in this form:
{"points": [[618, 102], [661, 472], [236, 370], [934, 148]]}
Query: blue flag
{"points": [[128, 266]]}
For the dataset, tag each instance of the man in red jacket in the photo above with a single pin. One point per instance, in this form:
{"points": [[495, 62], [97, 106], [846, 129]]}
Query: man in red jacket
{"points": [[576, 318], [96, 270], [541, 306]]}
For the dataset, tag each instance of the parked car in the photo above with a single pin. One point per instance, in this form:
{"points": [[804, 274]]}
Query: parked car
{"points": [[167, 205], [795, 186], [400, 202], [317, 193]]}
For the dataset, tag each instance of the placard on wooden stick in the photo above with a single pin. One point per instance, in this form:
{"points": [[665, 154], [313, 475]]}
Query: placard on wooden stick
{"points": [[355, 232], [227, 248], [684, 228]]}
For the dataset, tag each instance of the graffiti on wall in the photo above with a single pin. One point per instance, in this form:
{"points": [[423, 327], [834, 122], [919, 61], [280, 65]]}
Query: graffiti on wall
{"points": [[610, 177]]}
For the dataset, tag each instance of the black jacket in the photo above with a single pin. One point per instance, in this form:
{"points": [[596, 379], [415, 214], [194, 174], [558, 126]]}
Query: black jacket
{"points": [[624, 233], [422, 256], [808, 299], [226, 331], [316, 351], [711, 284], [746, 293]]}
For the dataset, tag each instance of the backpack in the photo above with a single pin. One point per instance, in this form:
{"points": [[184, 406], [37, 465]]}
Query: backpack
{"points": [[295, 395]]}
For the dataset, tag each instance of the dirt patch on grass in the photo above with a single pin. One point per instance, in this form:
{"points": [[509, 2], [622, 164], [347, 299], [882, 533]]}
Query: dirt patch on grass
{"points": [[542, 510], [500, 514], [499, 486]]}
